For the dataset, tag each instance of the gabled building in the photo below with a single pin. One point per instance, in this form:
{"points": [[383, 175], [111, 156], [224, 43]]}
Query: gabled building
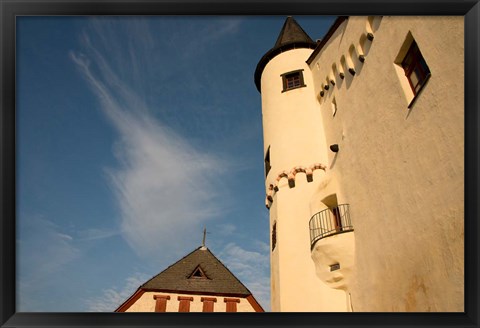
{"points": [[198, 282]]}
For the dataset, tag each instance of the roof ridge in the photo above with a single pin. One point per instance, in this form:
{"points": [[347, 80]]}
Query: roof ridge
{"points": [[171, 265], [229, 271]]}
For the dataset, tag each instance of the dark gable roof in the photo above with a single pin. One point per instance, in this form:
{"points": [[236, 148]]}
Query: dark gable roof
{"points": [[292, 36], [177, 277]]}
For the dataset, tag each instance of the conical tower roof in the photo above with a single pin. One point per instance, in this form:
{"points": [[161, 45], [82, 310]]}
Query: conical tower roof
{"points": [[292, 36], [198, 272], [291, 33]]}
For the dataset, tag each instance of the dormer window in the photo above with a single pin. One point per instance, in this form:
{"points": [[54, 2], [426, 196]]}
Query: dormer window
{"points": [[198, 274], [293, 80]]}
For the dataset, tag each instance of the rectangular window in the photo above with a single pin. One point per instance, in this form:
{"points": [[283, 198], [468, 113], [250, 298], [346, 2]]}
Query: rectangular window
{"points": [[274, 236], [335, 267], [293, 80], [184, 305], [267, 162], [208, 303], [416, 68], [232, 304], [161, 302]]}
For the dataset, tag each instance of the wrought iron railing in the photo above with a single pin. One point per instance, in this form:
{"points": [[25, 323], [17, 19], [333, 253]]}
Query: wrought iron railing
{"points": [[330, 222]]}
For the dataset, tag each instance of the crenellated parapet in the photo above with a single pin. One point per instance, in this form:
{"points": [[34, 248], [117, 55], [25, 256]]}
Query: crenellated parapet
{"points": [[291, 176]]}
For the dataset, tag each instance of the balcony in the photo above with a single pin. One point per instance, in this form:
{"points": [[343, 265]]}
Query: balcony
{"points": [[330, 222]]}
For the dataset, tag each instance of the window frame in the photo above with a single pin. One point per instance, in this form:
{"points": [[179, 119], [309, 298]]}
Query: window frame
{"points": [[184, 303], [274, 235], [208, 304], [293, 74], [231, 304], [268, 166], [417, 64], [201, 273], [161, 302]]}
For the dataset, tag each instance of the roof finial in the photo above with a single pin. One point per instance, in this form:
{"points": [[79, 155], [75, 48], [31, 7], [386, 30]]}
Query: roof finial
{"points": [[204, 236]]}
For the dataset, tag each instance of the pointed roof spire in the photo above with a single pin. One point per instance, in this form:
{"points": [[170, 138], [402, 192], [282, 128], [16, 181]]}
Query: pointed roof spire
{"points": [[292, 36], [292, 32]]}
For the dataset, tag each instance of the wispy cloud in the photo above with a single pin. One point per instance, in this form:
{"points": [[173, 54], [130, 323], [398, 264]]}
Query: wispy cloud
{"points": [[252, 268], [212, 32], [225, 229], [43, 251], [111, 298], [165, 188], [96, 234]]}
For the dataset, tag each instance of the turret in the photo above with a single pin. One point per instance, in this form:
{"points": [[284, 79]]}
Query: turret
{"points": [[296, 158]]}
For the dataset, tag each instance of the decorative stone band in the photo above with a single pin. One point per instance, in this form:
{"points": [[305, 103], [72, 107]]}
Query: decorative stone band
{"points": [[281, 175], [273, 188]]}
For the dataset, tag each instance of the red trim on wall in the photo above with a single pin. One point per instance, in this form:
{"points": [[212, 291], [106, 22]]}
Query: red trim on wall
{"points": [[255, 305], [124, 307], [130, 301], [184, 305], [208, 303], [190, 292], [231, 304], [161, 302], [185, 298]]}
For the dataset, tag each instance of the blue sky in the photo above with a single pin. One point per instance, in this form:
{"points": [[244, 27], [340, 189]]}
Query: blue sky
{"points": [[133, 134]]}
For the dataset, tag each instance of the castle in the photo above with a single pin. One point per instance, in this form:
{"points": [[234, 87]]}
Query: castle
{"points": [[364, 165]]}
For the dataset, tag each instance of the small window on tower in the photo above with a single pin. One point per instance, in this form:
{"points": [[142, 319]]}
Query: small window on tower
{"points": [[267, 162], [293, 80], [274, 236]]}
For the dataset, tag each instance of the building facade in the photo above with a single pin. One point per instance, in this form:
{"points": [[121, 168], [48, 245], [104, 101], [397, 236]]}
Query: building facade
{"points": [[364, 165], [198, 282]]}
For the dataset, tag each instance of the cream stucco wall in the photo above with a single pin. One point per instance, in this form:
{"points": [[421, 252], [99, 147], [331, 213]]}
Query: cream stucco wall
{"points": [[298, 287], [291, 120], [401, 169], [292, 127], [146, 303]]}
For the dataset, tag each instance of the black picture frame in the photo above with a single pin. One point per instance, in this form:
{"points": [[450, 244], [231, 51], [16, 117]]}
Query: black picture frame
{"points": [[9, 9]]}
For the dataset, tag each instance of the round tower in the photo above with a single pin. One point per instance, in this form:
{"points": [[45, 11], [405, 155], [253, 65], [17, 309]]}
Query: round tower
{"points": [[296, 158]]}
